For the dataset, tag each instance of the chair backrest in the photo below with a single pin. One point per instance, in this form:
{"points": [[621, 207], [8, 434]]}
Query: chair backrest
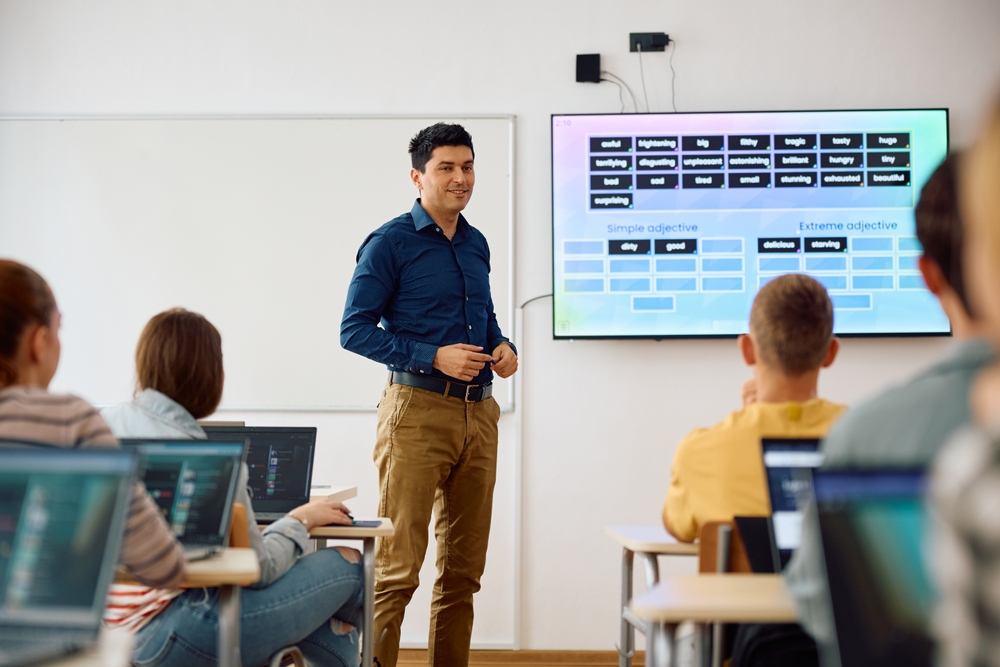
{"points": [[239, 534], [737, 560]]}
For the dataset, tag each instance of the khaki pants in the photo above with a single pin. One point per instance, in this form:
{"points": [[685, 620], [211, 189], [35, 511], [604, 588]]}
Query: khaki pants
{"points": [[433, 452]]}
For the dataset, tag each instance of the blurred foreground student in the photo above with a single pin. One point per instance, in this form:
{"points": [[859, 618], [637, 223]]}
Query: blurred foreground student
{"points": [[29, 356], [907, 425], [314, 602], [718, 472], [966, 478]]}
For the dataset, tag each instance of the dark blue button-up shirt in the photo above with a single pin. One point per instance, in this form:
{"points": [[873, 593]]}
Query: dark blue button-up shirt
{"points": [[426, 291]]}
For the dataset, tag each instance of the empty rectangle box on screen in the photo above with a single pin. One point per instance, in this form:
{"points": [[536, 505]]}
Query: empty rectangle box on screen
{"points": [[912, 282], [722, 265], [909, 244], [630, 284], [722, 284], [779, 264], [583, 266], [676, 284], [879, 282], [653, 304], [826, 263], [873, 263], [582, 285], [629, 265], [832, 282], [677, 265], [595, 247], [851, 301], [874, 244], [721, 245], [909, 262]]}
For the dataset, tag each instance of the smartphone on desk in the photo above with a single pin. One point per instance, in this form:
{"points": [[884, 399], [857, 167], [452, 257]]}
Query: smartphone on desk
{"points": [[375, 523]]}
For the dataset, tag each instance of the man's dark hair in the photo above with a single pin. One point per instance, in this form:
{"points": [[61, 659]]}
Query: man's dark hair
{"points": [[939, 225], [438, 134]]}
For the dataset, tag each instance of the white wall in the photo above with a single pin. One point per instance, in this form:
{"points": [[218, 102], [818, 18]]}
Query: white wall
{"points": [[601, 418]]}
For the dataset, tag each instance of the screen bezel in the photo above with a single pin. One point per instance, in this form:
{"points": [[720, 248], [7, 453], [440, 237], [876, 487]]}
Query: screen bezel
{"points": [[730, 336]]}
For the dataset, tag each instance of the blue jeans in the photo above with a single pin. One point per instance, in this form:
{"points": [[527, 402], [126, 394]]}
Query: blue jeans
{"points": [[303, 608]]}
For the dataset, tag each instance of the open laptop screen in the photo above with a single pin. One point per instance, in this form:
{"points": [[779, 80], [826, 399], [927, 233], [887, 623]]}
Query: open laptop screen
{"points": [[62, 515], [788, 465], [280, 461], [873, 528], [193, 482]]}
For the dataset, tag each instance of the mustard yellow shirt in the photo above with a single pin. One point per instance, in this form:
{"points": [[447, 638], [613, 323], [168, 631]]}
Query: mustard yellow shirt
{"points": [[718, 472]]}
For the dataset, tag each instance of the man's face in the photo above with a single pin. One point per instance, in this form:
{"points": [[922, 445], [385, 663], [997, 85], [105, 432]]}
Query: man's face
{"points": [[446, 182]]}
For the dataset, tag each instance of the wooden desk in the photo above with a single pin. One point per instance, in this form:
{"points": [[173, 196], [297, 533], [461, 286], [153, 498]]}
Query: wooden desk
{"points": [[367, 536], [227, 571], [709, 598], [649, 542], [340, 493]]}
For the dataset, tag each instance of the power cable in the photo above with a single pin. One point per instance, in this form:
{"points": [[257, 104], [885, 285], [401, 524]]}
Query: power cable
{"points": [[673, 75], [534, 298], [635, 105], [621, 93], [643, 75]]}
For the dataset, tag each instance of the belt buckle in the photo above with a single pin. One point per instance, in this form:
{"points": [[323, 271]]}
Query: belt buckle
{"points": [[469, 388]]}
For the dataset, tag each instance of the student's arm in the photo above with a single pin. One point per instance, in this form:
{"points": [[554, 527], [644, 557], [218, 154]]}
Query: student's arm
{"points": [[280, 544], [678, 513], [150, 551], [368, 296]]}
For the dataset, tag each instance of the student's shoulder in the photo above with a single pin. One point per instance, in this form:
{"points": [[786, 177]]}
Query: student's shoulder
{"points": [[734, 424]]}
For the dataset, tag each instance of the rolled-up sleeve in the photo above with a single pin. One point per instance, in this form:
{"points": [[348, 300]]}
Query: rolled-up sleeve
{"points": [[369, 295]]}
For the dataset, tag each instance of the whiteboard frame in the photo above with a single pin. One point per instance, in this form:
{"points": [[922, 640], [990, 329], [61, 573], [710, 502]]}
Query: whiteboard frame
{"points": [[509, 309]]}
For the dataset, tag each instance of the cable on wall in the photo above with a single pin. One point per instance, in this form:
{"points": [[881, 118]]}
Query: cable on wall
{"points": [[621, 93], [642, 74], [622, 81], [673, 74]]}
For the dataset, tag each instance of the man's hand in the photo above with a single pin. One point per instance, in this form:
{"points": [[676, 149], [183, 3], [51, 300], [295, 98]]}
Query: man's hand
{"points": [[749, 392], [461, 361], [504, 360]]}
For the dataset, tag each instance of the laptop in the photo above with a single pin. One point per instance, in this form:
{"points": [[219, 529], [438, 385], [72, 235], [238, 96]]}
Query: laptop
{"points": [[281, 466], [872, 524], [788, 465], [62, 515], [193, 482]]}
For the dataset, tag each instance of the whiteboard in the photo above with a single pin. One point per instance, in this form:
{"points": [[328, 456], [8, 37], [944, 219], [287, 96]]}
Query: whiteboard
{"points": [[253, 222]]}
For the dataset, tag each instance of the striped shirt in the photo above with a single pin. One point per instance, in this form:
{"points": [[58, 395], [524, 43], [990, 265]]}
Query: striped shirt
{"points": [[149, 549]]}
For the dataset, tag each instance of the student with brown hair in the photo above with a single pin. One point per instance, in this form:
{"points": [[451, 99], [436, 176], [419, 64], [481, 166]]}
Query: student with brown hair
{"points": [[718, 472], [29, 355], [312, 601]]}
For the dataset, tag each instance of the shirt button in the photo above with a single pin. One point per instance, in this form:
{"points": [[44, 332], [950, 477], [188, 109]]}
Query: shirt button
{"points": [[466, 298], [421, 371], [438, 228], [470, 326]]}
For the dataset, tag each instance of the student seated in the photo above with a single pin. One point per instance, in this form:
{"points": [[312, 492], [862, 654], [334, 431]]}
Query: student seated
{"points": [[966, 475], [718, 472], [29, 356], [314, 602], [906, 425]]}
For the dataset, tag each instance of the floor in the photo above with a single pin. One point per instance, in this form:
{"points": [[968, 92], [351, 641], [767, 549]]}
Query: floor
{"points": [[412, 658]]}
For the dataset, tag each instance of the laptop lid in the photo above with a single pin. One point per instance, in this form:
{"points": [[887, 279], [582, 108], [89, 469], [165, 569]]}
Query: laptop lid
{"points": [[194, 483], [872, 525], [788, 464], [62, 515], [280, 461]]}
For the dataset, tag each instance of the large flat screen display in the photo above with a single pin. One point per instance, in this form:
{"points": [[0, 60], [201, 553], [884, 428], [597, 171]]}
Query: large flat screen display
{"points": [[667, 224]]}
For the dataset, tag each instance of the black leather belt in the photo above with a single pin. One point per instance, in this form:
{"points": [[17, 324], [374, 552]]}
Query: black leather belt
{"points": [[470, 393]]}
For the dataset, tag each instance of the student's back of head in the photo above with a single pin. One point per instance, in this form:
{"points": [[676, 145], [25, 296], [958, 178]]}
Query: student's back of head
{"points": [[180, 355], [942, 235], [791, 324], [27, 327]]}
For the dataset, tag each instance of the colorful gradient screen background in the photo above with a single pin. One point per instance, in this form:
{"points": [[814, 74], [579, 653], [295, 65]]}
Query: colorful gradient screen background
{"points": [[668, 224]]}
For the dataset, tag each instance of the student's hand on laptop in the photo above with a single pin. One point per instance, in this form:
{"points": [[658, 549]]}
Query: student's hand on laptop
{"points": [[322, 513], [749, 392]]}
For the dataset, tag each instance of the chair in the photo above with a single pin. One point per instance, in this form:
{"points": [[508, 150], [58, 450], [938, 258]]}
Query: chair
{"points": [[721, 549], [239, 538]]}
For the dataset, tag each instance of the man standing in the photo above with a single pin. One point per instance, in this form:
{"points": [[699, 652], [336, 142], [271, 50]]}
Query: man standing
{"points": [[425, 277]]}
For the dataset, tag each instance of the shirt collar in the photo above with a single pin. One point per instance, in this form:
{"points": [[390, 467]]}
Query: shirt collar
{"points": [[969, 353], [168, 410], [421, 219]]}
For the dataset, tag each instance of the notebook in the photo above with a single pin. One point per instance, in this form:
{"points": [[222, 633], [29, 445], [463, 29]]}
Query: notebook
{"points": [[193, 482], [872, 524], [62, 515], [280, 461]]}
